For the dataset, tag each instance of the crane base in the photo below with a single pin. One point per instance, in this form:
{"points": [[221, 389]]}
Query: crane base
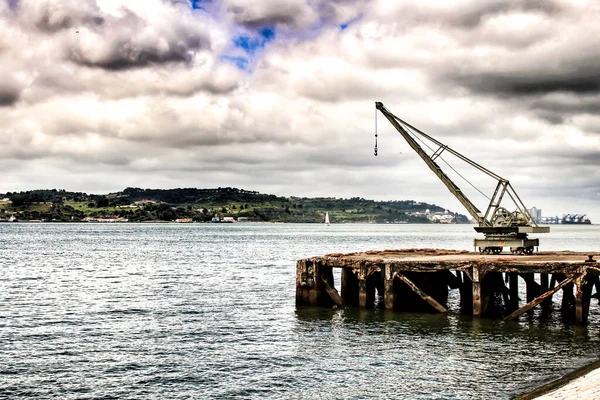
{"points": [[496, 245]]}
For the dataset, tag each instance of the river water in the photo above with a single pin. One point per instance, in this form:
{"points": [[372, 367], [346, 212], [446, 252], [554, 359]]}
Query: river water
{"points": [[176, 311]]}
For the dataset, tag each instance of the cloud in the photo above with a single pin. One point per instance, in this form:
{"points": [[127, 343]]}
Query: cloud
{"points": [[492, 47], [279, 96], [10, 91], [293, 15], [581, 78], [130, 40], [115, 51], [461, 14], [51, 17], [289, 14], [568, 104]]}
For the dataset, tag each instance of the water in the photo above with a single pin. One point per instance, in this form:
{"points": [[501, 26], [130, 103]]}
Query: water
{"points": [[155, 311]]}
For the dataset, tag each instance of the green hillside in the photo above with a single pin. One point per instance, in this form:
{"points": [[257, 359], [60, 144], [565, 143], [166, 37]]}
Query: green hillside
{"points": [[202, 205]]}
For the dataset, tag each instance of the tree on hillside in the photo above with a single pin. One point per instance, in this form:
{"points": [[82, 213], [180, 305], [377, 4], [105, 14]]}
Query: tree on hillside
{"points": [[101, 201], [18, 200]]}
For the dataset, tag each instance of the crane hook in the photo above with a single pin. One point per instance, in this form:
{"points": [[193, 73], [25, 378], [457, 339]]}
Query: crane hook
{"points": [[375, 145], [375, 132]]}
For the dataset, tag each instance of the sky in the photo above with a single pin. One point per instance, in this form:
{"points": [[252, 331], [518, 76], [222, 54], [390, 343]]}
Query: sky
{"points": [[279, 97]]}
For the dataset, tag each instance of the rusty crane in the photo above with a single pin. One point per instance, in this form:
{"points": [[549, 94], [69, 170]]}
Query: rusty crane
{"points": [[500, 227]]}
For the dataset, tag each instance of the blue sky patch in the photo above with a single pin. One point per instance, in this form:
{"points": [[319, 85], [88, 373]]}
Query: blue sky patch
{"points": [[240, 62], [247, 43], [268, 33], [250, 44], [199, 4], [348, 23]]}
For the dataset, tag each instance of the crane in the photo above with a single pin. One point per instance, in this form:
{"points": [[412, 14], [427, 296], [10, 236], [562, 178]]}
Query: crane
{"points": [[501, 227]]}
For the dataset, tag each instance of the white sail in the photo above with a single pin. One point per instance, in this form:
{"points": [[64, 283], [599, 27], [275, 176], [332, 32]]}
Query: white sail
{"points": [[327, 218]]}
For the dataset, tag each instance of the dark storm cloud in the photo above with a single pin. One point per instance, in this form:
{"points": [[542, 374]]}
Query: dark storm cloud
{"points": [[8, 96], [120, 40], [519, 48], [280, 16], [567, 157], [554, 66], [293, 14], [581, 82], [568, 106], [125, 54], [127, 44], [9, 92]]}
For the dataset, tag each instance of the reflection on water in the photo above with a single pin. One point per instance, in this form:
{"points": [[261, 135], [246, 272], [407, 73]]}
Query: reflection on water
{"points": [[442, 355], [207, 311]]}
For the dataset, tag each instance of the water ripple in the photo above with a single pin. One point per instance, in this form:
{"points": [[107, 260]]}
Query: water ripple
{"points": [[207, 311]]}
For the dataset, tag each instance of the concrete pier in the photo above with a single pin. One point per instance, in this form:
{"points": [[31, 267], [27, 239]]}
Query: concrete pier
{"points": [[419, 280]]}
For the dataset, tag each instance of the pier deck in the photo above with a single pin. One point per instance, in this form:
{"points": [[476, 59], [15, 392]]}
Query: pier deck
{"points": [[419, 279]]}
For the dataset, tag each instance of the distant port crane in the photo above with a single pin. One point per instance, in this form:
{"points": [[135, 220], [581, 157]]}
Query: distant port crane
{"points": [[575, 219], [501, 227]]}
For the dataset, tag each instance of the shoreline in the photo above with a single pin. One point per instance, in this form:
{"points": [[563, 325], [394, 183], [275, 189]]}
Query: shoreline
{"points": [[220, 222], [565, 382]]}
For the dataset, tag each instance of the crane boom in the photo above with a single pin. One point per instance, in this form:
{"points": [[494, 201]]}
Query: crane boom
{"points": [[454, 189], [498, 224]]}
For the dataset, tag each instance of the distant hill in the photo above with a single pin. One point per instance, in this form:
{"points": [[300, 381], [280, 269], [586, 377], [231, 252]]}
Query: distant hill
{"points": [[202, 205]]}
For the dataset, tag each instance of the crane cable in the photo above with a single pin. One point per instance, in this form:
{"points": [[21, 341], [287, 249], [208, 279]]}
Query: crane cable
{"points": [[415, 136], [375, 132]]}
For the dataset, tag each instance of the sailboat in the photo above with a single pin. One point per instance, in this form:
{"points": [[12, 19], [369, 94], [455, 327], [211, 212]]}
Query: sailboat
{"points": [[327, 218]]}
